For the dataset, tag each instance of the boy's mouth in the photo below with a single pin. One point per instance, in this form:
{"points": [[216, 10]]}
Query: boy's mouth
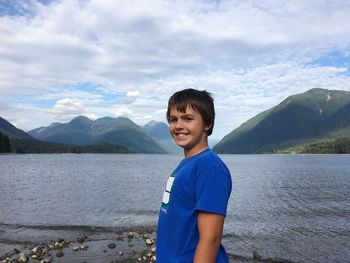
{"points": [[181, 134]]}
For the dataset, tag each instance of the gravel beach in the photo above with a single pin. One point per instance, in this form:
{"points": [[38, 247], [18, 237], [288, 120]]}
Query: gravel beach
{"points": [[127, 245]]}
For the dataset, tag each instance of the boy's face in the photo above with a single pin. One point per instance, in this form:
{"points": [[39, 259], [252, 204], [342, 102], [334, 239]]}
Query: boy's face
{"points": [[188, 131]]}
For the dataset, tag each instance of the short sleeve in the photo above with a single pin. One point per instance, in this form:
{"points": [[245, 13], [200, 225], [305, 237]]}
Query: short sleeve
{"points": [[213, 189]]}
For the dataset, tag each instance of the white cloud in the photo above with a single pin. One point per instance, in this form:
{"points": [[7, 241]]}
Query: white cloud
{"points": [[123, 112], [250, 54], [65, 109], [133, 93]]}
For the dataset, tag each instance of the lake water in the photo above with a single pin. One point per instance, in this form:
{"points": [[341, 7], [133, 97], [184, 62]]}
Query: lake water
{"points": [[285, 207]]}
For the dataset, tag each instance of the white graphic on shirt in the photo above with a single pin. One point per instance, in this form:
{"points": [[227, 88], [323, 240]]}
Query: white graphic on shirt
{"points": [[167, 191]]}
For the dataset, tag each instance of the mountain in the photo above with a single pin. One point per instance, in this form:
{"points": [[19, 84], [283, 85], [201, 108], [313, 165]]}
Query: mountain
{"points": [[160, 132], [11, 131], [307, 118], [75, 132], [15, 140], [83, 131]]}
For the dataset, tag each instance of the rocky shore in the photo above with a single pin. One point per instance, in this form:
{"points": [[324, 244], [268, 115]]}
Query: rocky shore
{"points": [[122, 247]]}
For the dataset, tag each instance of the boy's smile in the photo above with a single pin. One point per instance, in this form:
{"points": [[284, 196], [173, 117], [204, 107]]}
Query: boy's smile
{"points": [[188, 131]]}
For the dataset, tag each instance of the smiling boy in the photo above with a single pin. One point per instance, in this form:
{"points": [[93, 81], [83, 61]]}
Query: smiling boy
{"points": [[195, 199]]}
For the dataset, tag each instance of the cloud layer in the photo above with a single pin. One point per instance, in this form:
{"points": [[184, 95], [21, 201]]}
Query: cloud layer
{"points": [[64, 58]]}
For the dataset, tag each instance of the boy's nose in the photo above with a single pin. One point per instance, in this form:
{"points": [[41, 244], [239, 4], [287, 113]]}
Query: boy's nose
{"points": [[178, 125]]}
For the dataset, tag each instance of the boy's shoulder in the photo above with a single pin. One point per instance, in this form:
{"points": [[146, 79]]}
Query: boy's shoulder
{"points": [[209, 159]]}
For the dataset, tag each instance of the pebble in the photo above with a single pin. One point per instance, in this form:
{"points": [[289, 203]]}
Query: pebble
{"points": [[81, 239], [16, 251], [130, 235], [22, 258], [59, 254], [48, 259], [112, 245], [153, 250], [256, 255], [120, 253], [153, 259], [149, 242], [146, 236], [75, 248], [84, 247]]}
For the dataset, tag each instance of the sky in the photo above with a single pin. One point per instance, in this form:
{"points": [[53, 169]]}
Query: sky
{"points": [[61, 59]]}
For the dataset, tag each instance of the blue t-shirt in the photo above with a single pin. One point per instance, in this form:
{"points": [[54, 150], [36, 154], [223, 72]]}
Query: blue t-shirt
{"points": [[199, 183]]}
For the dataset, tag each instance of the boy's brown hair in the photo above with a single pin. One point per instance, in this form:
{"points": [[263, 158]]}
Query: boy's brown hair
{"points": [[199, 100]]}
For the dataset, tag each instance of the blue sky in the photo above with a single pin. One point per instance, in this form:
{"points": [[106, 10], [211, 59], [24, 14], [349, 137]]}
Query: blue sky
{"points": [[61, 59]]}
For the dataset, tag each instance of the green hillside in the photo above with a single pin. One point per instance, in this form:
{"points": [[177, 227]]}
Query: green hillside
{"points": [[15, 140], [160, 132], [83, 131], [302, 119], [11, 131]]}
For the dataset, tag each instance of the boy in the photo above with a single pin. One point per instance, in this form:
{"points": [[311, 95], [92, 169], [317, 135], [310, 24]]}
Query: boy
{"points": [[195, 199]]}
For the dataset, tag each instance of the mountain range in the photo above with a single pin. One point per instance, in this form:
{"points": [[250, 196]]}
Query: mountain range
{"points": [[316, 116], [83, 131], [317, 121]]}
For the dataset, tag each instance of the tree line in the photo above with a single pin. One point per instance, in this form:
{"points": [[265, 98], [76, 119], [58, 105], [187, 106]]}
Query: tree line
{"points": [[338, 146], [36, 146], [4, 143]]}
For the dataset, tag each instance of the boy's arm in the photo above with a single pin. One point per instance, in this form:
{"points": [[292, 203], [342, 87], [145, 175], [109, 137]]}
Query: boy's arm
{"points": [[210, 228]]}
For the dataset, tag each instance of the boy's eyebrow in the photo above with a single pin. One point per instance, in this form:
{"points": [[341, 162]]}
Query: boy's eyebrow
{"points": [[182, 116], [187, 115]]}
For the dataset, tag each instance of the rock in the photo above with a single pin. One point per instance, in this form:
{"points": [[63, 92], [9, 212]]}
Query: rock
{"points": [[16, 251], [112, 245], [81, 239], [3, 261], [75, 248], [149, 242], [153, 259], [120, 253], [145, 236], [58, 245], [130, 235], [34, 257], [22, 258], [59, 254], [153, 250], [256, 255], [47, 259], [84, 247]]}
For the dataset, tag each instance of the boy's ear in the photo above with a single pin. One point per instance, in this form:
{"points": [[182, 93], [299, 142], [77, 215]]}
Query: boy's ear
{"points": [[207, 128]]}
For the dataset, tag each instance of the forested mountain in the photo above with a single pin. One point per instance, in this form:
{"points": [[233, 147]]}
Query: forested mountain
{"points": [[314, 117], [160, 132], [11, 131], [15, 140], [83, 131], [4, 143]]}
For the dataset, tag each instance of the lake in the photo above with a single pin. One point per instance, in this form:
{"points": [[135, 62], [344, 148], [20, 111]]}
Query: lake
{"points": [[285, 207]]}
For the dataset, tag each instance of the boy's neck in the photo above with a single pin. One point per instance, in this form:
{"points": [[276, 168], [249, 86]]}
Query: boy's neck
{"points": [[197, 149]]}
